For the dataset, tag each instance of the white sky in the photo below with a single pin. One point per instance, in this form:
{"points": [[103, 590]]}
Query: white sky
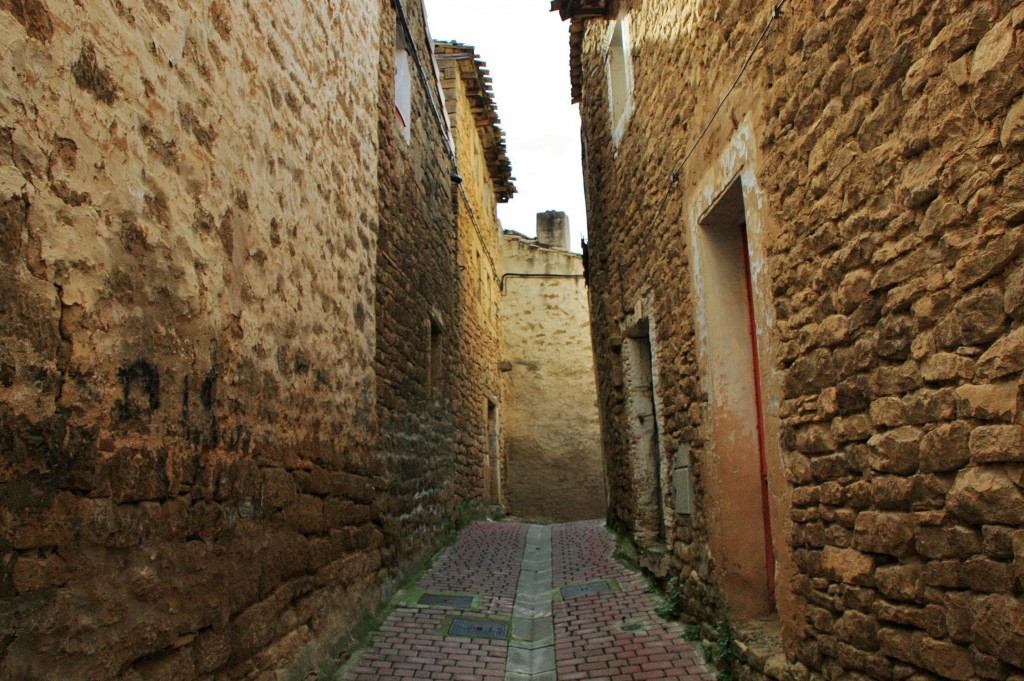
{"points": [[526, 49]]}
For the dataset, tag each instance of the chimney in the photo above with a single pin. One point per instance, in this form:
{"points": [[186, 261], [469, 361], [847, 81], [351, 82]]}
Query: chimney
{"points": [[553, 229]]}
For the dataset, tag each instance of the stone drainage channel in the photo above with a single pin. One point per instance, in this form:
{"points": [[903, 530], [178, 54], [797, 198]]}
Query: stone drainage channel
{"points": [[517, 602], [531, 651]]}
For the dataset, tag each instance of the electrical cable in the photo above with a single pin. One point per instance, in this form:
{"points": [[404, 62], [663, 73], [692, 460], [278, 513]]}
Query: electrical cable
{"points": [[776, 13]]}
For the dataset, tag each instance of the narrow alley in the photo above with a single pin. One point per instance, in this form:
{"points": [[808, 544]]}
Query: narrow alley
{"points": [[523, 602], [267, 347]]}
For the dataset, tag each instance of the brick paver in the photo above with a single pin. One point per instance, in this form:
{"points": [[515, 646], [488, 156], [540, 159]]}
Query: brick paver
{"points": [[593, 636], [593, 639], [409, 645]]}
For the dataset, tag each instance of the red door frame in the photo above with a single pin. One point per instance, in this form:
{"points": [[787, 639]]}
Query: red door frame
{"points": [[769, 549]]}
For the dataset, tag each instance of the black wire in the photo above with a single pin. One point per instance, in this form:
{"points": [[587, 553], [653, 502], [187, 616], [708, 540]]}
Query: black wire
{"points": [[776, 12]]}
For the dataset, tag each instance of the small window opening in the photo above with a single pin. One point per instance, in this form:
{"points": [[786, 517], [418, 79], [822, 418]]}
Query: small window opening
{"points": [[434, 358], [620, 79], [403, 82]]}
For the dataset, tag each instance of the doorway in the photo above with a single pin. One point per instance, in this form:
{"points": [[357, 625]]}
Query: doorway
{"points": [[492, 459], [644, 443], [740, 500]]}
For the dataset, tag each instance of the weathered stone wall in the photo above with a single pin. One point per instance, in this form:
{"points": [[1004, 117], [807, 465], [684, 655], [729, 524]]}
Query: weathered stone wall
{"points": [[879, 149], [417, 301], [187, 249], [478, 388], [552, 431]]}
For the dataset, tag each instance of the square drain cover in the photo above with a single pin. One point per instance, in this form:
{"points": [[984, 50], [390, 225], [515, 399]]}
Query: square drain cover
{"points": [[461, 602], [475, 629], [585, 589]]}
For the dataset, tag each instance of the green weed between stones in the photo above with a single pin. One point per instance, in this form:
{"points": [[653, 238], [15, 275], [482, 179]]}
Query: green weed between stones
{"points": [[721, 651], [671, 604]]}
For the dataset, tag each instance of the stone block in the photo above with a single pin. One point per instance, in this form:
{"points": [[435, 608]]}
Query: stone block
{"points": [[1012, 132], [947, 542], [986, 260], [810, 373], [896, 451], [900, 582], [889, 412], [854, 289], [35, 571], [996, 627], [888, 533], [998, 541], [992, 402], [900, 644], [834, 467], [858, 629], [946, 366], [279, 488], [1005, 357], [946, 448], [815, 438], [892, 493], [984, 575], [990, 444], [993, 49], [847, 565], [981, 316], [946, 659], [852, 428], [895, 334], [983, 495], [1013, 298], [943, 573]]}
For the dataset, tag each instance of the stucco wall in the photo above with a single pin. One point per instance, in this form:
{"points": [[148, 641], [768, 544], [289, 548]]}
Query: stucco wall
{"points": [[187, 253], [555, 469], [878, 146]]}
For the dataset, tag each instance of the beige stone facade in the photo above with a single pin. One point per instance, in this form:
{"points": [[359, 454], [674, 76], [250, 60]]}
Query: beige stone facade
{"points": [[552, 431], [806, 263], [486, 181], [234, 402]]}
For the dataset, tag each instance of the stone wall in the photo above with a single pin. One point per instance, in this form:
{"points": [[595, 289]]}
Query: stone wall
{"points": [[223, 434], [552, 432], [417, 298], [878, 151], [479, 388]]}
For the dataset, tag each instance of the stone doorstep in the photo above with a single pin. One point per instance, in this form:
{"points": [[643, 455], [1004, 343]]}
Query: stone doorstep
{"points": [[758, 645]]}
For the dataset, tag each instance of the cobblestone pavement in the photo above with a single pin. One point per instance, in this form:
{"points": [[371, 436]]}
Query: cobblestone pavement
{"points": [[511, 577]]}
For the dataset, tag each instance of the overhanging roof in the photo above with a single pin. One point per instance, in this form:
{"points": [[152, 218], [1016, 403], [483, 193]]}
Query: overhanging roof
{"points": [[479, 91], [578, 11]]}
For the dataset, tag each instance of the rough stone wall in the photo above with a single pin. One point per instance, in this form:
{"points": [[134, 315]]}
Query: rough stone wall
{"points": [[187, 248], [880, 145], [416, 289], [479, 458], [552, 434]]}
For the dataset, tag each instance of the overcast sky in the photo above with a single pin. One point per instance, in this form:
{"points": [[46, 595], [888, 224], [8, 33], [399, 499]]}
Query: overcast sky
{"points": [[526, 48]]}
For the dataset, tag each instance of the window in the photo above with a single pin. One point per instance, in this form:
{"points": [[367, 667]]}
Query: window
{"points": [[434, 358], [620, 78], [403, 83]]}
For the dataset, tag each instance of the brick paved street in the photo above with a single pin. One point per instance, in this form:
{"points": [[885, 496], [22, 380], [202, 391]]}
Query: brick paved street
{"points": [[608, 632]]}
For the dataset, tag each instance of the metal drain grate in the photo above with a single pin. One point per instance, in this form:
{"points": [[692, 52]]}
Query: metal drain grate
{"points": [[477, 629], [460, 602], [631, 626], [585, 589]]}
